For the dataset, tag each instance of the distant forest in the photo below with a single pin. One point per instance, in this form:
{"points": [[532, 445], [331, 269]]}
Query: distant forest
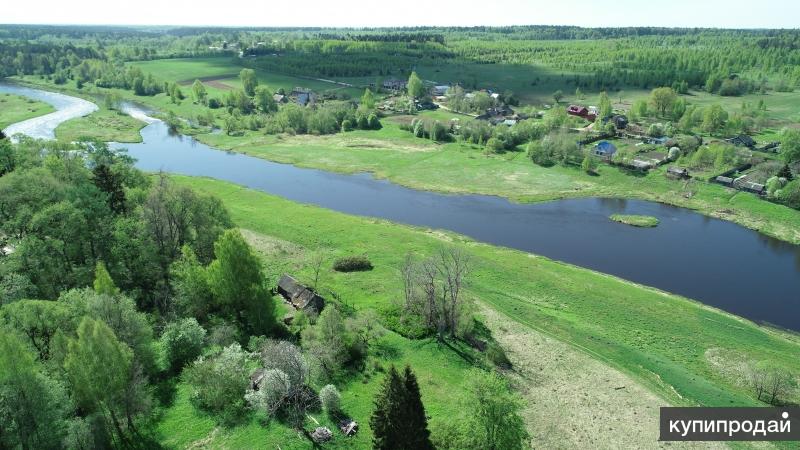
{"points": [[728, 62]]}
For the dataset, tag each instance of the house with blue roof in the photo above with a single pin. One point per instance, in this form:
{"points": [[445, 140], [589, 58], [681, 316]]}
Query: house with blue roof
{"points": [[605, 149]]}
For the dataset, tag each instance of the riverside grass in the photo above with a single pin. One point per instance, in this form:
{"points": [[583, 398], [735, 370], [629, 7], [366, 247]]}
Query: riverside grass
{"points": [[635, 220], [15, 108], [645, 339], [658, 338]]}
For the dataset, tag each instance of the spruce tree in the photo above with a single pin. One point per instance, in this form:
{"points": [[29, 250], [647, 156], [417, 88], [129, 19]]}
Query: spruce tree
{"points": [[399, 421], [419, 437]]}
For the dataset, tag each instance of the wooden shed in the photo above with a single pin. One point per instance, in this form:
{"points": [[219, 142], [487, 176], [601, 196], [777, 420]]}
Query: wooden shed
{"points": [[677, 172], [301, 297]]}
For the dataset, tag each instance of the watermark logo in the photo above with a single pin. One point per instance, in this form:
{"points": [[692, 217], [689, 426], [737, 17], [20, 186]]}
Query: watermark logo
{"points": [[730, 424]]}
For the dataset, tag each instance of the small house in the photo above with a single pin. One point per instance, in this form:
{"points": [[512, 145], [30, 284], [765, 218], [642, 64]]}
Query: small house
{"points": [[299, 296], [605, 149], [743, 184], [620, 121], [279, 98], [742, 140], [394, 84], [440, 89], [582, 111], [679, 173]]}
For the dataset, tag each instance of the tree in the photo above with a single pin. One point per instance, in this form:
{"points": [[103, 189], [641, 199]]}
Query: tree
{"points": [[287, 359], [493, 421], [589, 165], [663, 99], [415, 87], [98, 367], [790, 146], [218, 384], [399, 421], [331, 399], [714, 118], [33, 406], [238, 285], [368, 99], [605, 109], [328, 340], [558, 96], [317, 261], [7, 157], [639, 110], [182, 342], [265, 102], [249, 81], [199, 92], [103, 284]]}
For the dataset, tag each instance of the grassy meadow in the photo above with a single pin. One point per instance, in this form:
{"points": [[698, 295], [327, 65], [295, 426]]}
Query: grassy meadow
{"points": [[15, 108], [104, 125], [658, 337]]}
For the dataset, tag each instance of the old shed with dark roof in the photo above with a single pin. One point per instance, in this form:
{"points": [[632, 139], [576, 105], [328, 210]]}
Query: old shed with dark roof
{"points": [[301, 297]]}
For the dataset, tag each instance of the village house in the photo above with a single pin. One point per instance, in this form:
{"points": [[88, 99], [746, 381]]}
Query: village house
{"points": [[299, 296], [605, 150], [742, 140], [581, 111], [303, 96], [440, 89], [394, 84], [279, 98]]}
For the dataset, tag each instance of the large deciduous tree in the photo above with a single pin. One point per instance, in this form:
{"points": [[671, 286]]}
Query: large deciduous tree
{"points": [[238, 284], [249, 81], [415, 87]]}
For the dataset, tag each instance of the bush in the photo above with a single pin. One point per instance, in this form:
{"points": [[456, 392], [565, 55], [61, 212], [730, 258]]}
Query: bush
{"points": [[182, 342], [330, 398], [218, 384], [352, 264]]}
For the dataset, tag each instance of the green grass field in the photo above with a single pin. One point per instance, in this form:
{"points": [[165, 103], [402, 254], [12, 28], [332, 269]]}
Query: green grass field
{"points": [[225, 71], [104, 125], [663, 349], [15, 108]]}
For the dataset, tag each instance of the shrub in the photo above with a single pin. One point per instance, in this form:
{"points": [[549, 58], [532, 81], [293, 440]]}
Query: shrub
{"points": [[218, 384], [182, 342], [352, 264], [331, 400]]}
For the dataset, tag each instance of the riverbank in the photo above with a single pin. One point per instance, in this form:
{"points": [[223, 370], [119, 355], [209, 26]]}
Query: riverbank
{"points": [[663, 341], [16, 108], [396, 155]]}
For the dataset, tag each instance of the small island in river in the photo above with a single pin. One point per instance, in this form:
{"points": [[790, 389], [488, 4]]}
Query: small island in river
{"points": [[635, 220]]}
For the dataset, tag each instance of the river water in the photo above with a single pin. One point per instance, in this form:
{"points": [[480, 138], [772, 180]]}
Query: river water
{"points": [[717, 262]]}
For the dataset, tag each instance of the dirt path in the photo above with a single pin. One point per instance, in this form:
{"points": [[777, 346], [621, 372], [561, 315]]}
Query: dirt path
{"points": [[573, 400]]}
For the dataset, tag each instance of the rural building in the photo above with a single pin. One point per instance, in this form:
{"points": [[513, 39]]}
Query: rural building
{"points": [[742, 184], [742, 140], [605, 149], [440, 89], [581, 111], [620, 121], [678, 173], [394, 84], [279, 98], [725, 181], [299, 296], [348, 427]]}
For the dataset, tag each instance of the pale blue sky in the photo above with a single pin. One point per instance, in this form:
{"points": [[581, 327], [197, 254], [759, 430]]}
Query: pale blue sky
{"points": [[359, 13]]}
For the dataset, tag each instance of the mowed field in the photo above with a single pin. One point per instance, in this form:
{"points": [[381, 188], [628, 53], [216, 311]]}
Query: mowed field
{"points": [[222, 73]]}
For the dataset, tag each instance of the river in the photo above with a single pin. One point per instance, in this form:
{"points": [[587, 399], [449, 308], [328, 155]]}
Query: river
{"points": [[716, 262]]}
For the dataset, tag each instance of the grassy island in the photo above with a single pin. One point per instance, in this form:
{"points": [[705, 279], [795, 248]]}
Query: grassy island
{"points": [[635, 220]]}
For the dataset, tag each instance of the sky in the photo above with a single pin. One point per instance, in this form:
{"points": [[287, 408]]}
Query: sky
{"points": [[376, 13]]}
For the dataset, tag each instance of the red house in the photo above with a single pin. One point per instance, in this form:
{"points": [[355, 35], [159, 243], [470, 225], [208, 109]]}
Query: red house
{"points": [[581, 111]]}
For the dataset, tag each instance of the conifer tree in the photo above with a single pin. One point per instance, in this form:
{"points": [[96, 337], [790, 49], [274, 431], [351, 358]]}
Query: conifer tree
{"points": [[399, 421]]}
